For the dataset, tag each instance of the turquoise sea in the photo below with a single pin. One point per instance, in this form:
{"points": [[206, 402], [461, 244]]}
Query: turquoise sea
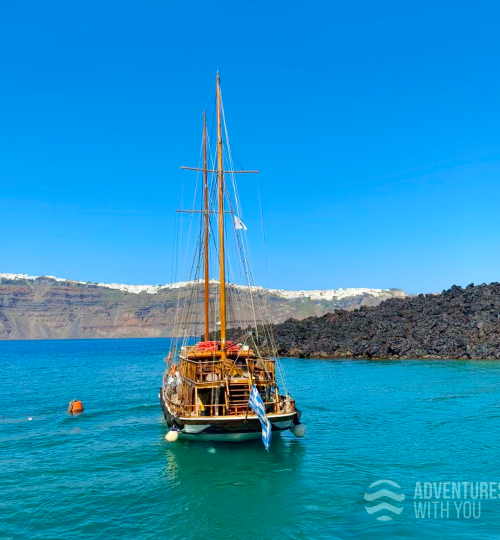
{"points": [[109, 474]]}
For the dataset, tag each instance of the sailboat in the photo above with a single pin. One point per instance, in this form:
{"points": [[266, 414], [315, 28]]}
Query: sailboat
{"points": [[224, 386]]}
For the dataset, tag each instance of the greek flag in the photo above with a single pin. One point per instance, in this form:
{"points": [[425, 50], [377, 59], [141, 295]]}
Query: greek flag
{"points": [[257, 405]]}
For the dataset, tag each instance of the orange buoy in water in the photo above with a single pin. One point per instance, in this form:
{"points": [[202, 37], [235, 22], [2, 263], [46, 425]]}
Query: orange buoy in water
{"points": [[75, 407]]}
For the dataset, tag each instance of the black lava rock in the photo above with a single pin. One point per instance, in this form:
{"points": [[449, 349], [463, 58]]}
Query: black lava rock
{"points": [[458, 323]]}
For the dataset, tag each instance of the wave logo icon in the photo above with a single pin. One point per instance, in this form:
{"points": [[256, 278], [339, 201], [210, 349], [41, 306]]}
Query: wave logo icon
{"points": [[384, 492]]}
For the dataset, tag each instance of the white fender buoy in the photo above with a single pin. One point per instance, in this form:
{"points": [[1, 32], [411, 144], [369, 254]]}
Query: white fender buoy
{"points": [[299, 430], [172, 436]]}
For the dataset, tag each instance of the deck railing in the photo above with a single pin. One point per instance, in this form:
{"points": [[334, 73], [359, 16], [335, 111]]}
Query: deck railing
{"points": [[222, 409], [201, 372], [211, 370]]}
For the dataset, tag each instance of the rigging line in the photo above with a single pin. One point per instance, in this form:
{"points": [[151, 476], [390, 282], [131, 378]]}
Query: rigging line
{"points": [[248, 288], [238, 293], [192, 207], [194, 277], [215, 256], [175, 256], [240, 243], [174, 250], [243, 246], [196, 312], [245, 262], [270, 331], [194, 202], [195, 131], [234, 296], [176, 310], [172, 273], [267, 331], [209, 96], [266, 262], [248, 264], [229, 156], [237, 158], [216, 251], [263, 232], [188, 240], [193, 311], [233, 180]]}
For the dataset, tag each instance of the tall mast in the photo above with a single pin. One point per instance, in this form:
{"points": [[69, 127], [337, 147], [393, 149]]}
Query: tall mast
{"points": [[222, 277], [206, 211], [207, 225]]}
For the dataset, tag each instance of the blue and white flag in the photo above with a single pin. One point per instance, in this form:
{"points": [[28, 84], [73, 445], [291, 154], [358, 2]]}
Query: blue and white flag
{"points": [[257, 405]]}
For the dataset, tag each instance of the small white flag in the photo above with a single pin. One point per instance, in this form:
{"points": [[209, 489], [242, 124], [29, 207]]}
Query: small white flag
{"points": [[238, 224]]}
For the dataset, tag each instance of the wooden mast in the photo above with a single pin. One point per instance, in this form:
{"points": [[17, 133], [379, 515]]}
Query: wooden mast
{"points": [[206, 211], [207, 226], [222, 276]]}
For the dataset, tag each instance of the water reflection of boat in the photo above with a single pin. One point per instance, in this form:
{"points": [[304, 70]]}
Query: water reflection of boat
{"points": [[218, 461], [212, 389], [200, 478]]}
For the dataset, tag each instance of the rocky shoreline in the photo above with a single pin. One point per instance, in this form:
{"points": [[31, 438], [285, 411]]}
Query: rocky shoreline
{"points": [[456, 324]]}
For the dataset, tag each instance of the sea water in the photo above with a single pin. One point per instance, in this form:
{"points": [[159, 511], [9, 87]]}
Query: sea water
{"points": [[109, 473]]}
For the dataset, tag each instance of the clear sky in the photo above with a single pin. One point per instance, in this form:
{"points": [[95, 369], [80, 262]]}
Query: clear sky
{"points": [[376, 126]]}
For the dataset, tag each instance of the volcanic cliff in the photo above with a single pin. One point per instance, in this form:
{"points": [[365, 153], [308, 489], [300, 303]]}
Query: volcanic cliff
{"points": [[458, 323], [53, 308]]}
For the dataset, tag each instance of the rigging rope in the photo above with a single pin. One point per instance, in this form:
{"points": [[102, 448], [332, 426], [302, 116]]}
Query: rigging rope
{"points": [[241, 299]]}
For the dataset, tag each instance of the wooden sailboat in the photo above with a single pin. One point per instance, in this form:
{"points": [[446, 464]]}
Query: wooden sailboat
{"points": [[208, 383]]}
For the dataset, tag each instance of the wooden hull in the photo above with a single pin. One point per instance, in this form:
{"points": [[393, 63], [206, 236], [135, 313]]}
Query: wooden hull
{"points": [[235, 428]]}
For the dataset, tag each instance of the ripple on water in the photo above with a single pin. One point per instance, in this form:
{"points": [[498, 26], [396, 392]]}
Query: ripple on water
{"points": [[109, 473]]}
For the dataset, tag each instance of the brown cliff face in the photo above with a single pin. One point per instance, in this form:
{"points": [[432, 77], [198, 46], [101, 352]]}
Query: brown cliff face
{"points": [[45, 308], [48, 309]]}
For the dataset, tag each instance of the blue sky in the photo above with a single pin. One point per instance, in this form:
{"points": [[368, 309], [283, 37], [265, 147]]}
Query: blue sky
{"points": [[375, 126]]}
